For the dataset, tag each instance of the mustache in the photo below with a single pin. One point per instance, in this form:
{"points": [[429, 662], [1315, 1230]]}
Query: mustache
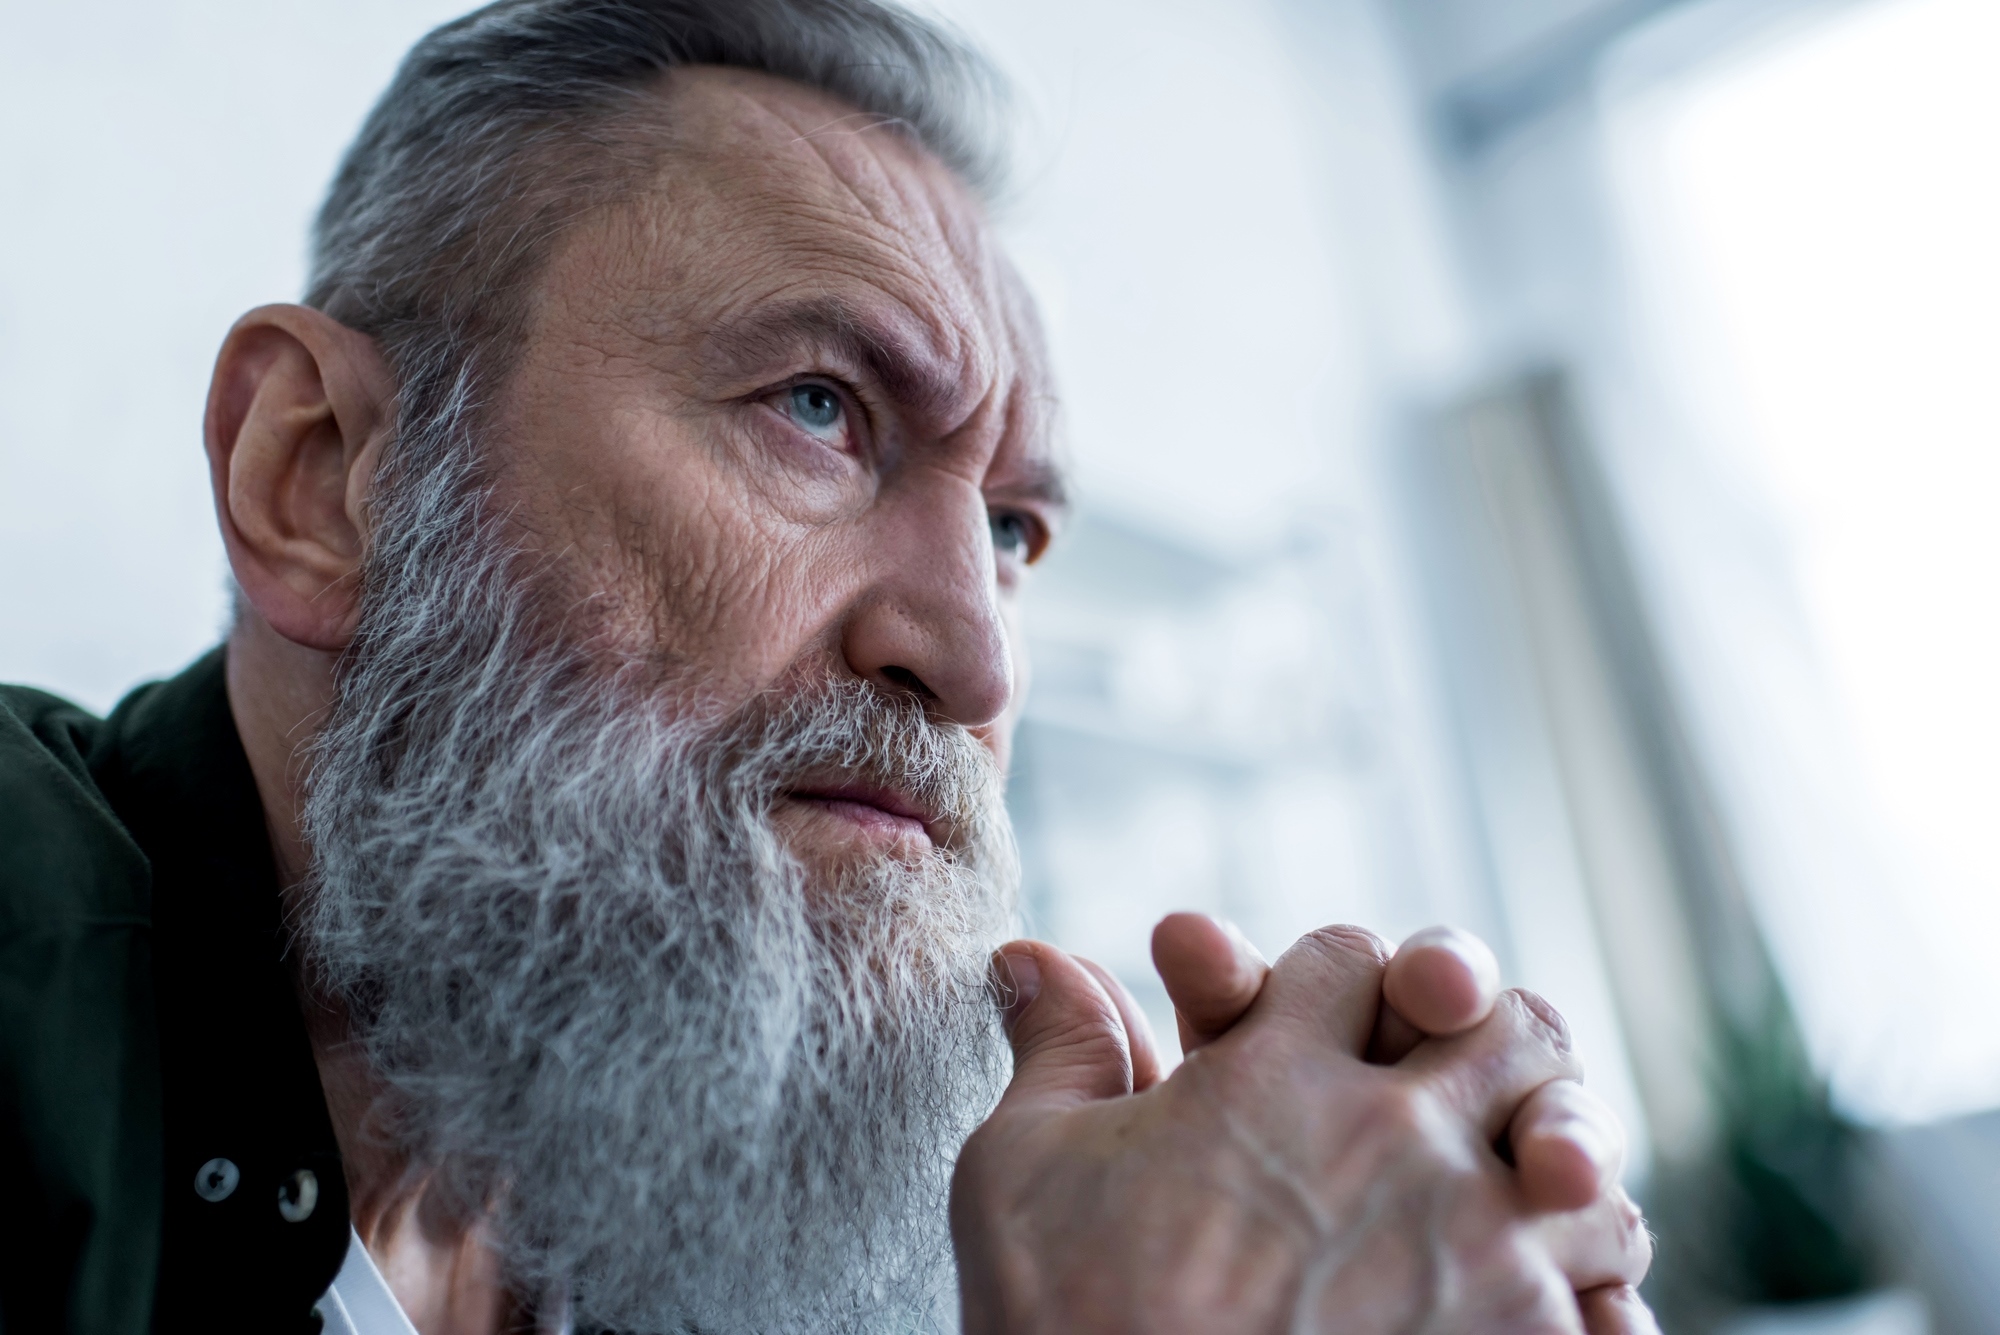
{"points": [[825, 730]]}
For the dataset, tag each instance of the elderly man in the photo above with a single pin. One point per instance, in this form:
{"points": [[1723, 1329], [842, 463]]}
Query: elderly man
{"points": [[571, 897]]}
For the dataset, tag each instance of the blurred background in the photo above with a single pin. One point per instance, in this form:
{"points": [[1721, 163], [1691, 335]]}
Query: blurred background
{"points": [[1537, 461]]}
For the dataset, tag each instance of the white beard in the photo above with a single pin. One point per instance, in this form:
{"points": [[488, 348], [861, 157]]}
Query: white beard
{"points": [[686, 1079]]}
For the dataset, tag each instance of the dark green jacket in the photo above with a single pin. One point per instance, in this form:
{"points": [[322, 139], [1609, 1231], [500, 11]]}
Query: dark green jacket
{"points": [[149, 1028]]}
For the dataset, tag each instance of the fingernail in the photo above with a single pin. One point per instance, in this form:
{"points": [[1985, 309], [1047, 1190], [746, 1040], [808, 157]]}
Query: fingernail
{"points": [[1020, 980]]}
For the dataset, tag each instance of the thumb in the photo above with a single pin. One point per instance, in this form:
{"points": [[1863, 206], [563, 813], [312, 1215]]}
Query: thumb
{"points": [[1069, 1043]]}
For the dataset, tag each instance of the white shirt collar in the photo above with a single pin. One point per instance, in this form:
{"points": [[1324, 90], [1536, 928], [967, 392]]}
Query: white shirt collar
{"points": [[359, 1303]]}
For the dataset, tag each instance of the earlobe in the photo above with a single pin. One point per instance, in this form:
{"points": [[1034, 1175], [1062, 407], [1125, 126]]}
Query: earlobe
{"points": [[297, 413]]}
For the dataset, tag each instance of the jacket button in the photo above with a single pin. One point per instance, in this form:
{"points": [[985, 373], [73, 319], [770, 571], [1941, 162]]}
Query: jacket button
{"points": [[297, 1195], [214, 1180]]}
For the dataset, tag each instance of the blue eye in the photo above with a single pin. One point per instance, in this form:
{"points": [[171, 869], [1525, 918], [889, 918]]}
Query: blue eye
{"points": [[1013, 534], [817, 409]]}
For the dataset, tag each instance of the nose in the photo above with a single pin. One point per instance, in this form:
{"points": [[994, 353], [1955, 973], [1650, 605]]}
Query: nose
{"points": [[928, 620]]}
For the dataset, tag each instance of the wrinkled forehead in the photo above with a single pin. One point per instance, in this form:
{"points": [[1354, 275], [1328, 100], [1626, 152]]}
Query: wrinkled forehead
{"points": [[768, 193]]}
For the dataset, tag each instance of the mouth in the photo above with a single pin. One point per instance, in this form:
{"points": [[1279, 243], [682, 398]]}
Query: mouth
{"points": [[876, 812]]}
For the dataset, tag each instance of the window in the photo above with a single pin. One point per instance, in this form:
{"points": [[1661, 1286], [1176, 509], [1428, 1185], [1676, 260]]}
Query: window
{"points": [[1813, 223]]}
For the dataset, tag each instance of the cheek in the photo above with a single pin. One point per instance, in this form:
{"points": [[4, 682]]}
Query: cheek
{"points": [[668, 557], [730, 586], [684, 536]]}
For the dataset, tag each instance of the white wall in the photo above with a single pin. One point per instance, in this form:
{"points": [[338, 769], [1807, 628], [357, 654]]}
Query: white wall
{"points": [[159, 161], [159, 164]]}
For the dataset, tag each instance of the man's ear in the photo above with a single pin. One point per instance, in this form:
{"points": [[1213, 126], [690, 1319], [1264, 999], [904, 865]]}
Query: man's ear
{"points": [[297, 414]]}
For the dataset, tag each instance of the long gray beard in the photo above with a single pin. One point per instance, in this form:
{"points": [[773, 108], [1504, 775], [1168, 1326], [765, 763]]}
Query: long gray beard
{"points": [[684, 1079]]}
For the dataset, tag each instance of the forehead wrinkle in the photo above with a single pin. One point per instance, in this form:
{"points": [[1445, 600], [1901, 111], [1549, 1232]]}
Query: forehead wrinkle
{"points": [[768, 112], [751, 222], [915, 209], [844, 174], [868, 291], [910, 247]]}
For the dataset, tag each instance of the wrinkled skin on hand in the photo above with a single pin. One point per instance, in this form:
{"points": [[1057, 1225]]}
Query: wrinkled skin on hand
{"points": [[1277, 1180]]}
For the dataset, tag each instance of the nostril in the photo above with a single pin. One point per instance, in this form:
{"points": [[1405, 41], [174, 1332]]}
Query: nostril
{"points": [[909, 681]]}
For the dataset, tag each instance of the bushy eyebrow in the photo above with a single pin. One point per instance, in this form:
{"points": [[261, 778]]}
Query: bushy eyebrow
{"points": [[906, 371], [1042, 480]]}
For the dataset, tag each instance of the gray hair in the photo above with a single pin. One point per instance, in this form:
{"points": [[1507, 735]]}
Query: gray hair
{"points": [[699, 1082], [700, 1090], [503, 127]]}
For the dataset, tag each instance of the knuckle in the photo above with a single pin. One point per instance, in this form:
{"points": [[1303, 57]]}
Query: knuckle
{"points": [[1638, 1238], [1345, 942], [1640, 1263], [1399, 1110], [1540, 1017], [1100, 1044]]}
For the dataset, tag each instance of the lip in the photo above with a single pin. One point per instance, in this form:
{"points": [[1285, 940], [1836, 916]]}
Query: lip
{"points": [[873, 807]]}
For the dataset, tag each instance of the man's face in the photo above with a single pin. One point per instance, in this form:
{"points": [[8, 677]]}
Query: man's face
{"points": [[785, 413], [697, 990]]}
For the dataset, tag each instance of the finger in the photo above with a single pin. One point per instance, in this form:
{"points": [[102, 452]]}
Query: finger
{"points": [[1441, 981], [1568, 1146], [1139, 1040], [1212, 974], [1069, 1042], [1394, 1037], [1605, 1243], [1616, 1309], [1486, 1073], [1329, 985]]}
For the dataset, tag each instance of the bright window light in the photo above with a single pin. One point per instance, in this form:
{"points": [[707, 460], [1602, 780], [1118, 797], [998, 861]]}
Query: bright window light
{"points": [[1834, 202]]}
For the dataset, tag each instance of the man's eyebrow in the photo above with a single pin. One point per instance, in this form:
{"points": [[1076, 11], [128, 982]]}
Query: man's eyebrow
{"points": [[910, 373], [1043, 480]]}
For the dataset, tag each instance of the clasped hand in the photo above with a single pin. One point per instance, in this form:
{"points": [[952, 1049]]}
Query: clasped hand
{"points": [[1353, 1144]]}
